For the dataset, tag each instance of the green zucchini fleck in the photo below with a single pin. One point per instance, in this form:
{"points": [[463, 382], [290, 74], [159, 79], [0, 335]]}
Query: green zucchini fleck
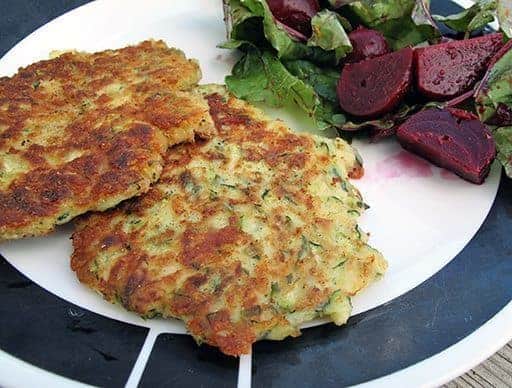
{"points": [[358, 232], [62, 217], [315, 244], [304, 248], [340, 264], [289, 199], [274, 289], [335, 172], [362, 205], [153, 313], [326, 146]]}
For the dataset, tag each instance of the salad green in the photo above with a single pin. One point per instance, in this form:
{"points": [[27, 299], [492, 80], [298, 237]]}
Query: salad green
{"points": [[479, 15], [403, 22], [281, 66], [472, 19], [252, 22], [494, 106]]}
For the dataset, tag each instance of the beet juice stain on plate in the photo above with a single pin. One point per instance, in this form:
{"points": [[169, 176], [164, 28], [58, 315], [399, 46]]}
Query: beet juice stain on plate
{"points": [[403, 164]]}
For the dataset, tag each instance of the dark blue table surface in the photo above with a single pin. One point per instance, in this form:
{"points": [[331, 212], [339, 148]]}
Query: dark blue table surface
{"points": [[54, 334]]}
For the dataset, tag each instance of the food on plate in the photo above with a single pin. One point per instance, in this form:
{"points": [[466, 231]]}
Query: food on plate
{"points": [[295, 14], [475, 18], [83, 132], [451, 138], [245, 236], [345, 77], [447, 70], [266, 71], [375, 86], [494, 104], [471, 19], [366, 43], [493, 96]]}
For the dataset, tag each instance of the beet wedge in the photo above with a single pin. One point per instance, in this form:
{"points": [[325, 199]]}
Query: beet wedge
{"points": [[366, 44], [447, 70], [451, 138], [376, 86]]}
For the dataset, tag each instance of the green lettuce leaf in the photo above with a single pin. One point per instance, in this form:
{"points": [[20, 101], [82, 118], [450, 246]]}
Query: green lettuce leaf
{"points": [[259, 76], [374, 12], [496, 89], [384, 126], [324, 81], [339, 3], [503, 139], [504, 11], [472, 19], [329, 34], [384, 123], [252, 21], [493, 101], [403, 22]]}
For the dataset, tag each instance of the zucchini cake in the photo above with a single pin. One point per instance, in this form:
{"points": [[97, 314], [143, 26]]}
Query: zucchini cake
{"points": [[83, 131], [245, 236]]}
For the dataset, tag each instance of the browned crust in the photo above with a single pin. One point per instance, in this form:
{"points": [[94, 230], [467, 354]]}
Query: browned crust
{"points": [[200, 276], [86, 131]]}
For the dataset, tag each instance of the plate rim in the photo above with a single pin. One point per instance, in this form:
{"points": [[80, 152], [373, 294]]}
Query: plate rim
{"points": [[502, 320], [419, 273]]}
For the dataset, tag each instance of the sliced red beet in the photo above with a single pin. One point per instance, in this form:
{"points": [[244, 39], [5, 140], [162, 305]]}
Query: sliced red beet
{"points": [[373, 87], [447, 70], [451, 138], [366, 44], [295, 14]]}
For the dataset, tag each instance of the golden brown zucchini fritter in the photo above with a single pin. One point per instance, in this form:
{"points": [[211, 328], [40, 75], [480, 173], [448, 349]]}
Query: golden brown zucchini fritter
{"points": [[83, 132], [244, 237]]}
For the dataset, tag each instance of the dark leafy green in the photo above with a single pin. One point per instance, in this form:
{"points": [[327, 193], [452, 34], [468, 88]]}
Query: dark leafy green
{"points": [[386, 125], [503, 139], [323, 80], [472, 19], [329, 34], [260, 77], [375, 12], [496, 89], [328, 44], [494, 105], [403, 22], [339, 3]]}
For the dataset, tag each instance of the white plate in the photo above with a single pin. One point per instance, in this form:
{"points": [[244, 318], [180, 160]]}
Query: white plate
{"points": [[420, 216]]}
